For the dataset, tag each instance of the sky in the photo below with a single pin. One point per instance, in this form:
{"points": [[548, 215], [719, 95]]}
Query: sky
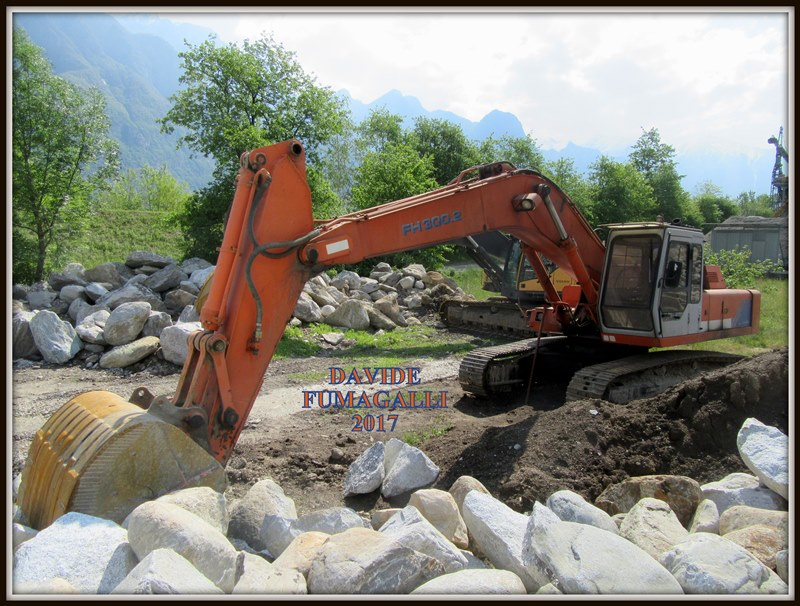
{"points": [[708, 81]]}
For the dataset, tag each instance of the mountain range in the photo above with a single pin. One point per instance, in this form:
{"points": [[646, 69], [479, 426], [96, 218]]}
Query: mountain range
{"points": [[134, 62]]}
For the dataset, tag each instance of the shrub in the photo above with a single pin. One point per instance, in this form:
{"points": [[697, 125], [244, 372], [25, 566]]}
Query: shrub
{"points": [[737, 268]]}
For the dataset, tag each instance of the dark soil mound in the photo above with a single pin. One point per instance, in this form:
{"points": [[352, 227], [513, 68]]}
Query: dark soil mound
{"points": [[586, 445]]}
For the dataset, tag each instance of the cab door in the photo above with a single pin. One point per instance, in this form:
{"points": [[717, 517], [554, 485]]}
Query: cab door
{"points": [[680, 306]]}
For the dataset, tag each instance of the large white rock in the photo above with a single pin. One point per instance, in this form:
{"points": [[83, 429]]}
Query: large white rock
{"points": [[131, 292], [364, 561], [156, 323], [202, 501], [346, 279], [474, 582], [163, 571], [89, 553], [440, 509], [90, 329], [498, 532], [277, 536], [411, 529], [381, 516], [762, 541], [350, 314], [126, 322], [406, 468], [706, 518], [581, 559], [175, 341], [264, 503], [366, 473], [302, 551], [55, 339], [653, 526], [306, 309], [709, 564], [742, 516], [21, 533], [129, 353], [199, 276], [257, 576], [23, 344], [572, 507], [462, 486], [742, 489], [765, 451], [154, 525], [782, 565]]}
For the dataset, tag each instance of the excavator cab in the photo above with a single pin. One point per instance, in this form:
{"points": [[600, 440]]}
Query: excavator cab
{"points": [[653, 292]]}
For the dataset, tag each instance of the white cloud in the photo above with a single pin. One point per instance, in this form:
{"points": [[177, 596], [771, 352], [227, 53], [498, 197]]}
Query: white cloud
{"points": [[704, 80]]}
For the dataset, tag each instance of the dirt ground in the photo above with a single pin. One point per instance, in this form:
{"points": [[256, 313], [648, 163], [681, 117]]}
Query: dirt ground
{"points": [[521, 452]]}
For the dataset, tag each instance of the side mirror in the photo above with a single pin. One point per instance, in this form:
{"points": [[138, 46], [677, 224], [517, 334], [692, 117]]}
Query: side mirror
{"points": [[672, 279]]}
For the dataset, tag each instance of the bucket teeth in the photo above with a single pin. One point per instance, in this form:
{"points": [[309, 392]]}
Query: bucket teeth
{"points": [[103, 456]]}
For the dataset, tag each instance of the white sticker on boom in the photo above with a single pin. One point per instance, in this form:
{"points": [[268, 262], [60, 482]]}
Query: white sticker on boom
{"points": [[335, 247]]}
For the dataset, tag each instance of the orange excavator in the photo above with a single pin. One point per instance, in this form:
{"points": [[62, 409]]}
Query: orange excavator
{"points": [[646, 286]]}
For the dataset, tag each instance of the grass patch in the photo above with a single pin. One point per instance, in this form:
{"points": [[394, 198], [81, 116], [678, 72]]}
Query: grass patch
{"points": [[295, 344], [471, 282], [438, 429], [310, 376]]}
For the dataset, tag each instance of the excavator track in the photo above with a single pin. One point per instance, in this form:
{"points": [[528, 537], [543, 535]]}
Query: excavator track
{"points": [[498, 369], [498, 316], [644, 375]]}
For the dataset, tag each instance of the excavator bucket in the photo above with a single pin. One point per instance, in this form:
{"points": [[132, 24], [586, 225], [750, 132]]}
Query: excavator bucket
{"points": [[103, 456]]}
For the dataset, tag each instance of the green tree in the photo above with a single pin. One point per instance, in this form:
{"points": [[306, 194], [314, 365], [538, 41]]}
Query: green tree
{"points": [[620, 193], [446, 144], [713, 205], [752, 205], [234, 99], [522, 152], [649, 153], [61, 155], [564, 174]]}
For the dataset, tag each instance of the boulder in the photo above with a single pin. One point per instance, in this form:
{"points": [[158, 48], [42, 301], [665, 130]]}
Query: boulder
{"points": [[131, 293], [73, 273], [299, 554], [350, 314], [411, 529], [653, 526], [572, 507], [321, 295], [440, 509], [175, 341], [366, 473], [199, 276], [165, 278], [583, 559], [764, 542], [474, 582], [364, 561], [154, 525], [122, 356], [107, 273], [368, 285], [742, 516], [125, 322], [782, 565], [95, 290], [192, 264], [462, 486], [681, 493], [263, 503], [765, 451], [413, 301], [406, 468], [21, 533], [346, 280], [333, 338], [91, 328], [189, 314], [202, 501], [89, 553], [140, 258], [164, 571], [414, 270], [70, 292], [742, 489], [306, 309], [378, 320], [156, 322], [381, 516], [257, 576], [389, 307], [706, 518], [405, 283], [55, 339], [24, 345], [189, 286], [276, 537], [709, 564], [178, 299], [498, 532]]}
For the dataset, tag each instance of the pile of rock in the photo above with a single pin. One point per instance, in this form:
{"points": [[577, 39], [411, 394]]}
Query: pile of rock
{"points": [[647, 535], [117, 314]]}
